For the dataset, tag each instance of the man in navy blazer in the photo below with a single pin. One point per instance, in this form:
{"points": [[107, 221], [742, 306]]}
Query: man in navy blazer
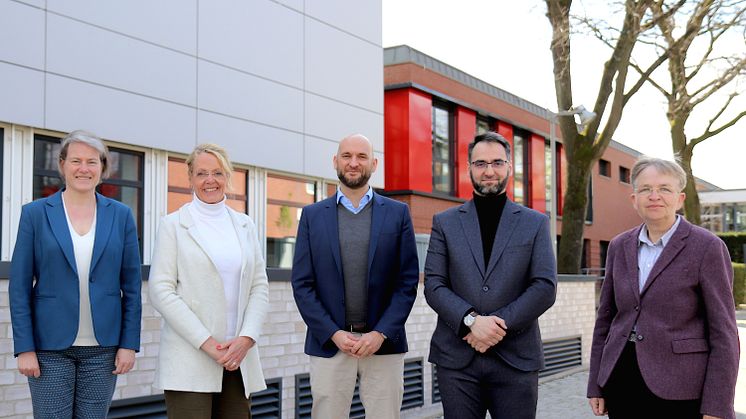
{"points": [[665, 342], [354, 278], [490, 273]]}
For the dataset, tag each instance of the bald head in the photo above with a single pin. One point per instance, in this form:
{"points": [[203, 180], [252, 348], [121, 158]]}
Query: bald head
{"points": [[354, 161]]}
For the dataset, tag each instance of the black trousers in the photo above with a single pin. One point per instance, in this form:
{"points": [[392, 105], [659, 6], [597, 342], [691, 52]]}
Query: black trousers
{"points": [[231, 403], [488, 383], [628, 397]]}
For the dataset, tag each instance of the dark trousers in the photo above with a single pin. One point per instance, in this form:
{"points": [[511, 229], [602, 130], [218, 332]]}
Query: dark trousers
{"points": [[627, 395], [488, 383], [231, 403]]}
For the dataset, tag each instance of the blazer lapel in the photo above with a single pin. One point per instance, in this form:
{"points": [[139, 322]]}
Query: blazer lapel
{"points": [[672, 249], [57, 220], [631, 247], [186, 220], [376, 223], [104, 223], [508, 222], [470, 227], [241, 226], [332, 230]]}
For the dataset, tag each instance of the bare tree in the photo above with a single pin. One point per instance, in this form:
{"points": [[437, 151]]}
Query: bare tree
{"points": [[583, 149], [698, 74]]}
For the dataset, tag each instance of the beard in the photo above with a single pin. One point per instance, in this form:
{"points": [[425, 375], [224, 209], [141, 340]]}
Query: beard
{"points": [[354, 183], [493, 190]]}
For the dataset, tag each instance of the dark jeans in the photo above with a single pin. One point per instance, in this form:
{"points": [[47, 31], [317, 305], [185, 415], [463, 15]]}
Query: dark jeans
{"points": [[74, 382], [231, 403], [488, 383], [628, 397]]}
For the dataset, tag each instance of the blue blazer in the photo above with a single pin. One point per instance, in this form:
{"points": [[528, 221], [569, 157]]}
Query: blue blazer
{"points": [[393, 274], [518, 284], [44, 290]]}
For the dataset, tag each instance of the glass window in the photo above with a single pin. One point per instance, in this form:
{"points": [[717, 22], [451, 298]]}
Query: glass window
{"points": [[442, 161], [548, 176], [604, 168], [484, 124], [624, 174], [125, 182], [520, 160], [286, 197], [180, 191]]}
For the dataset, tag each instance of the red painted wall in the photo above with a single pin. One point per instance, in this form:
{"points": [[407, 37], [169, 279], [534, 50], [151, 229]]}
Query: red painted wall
{"points": [[466, 128], [506, 130], [408, 140], [537, 170]]}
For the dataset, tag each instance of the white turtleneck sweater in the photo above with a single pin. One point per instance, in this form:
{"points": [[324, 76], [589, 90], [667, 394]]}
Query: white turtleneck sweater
{"points": [[216, 229]]}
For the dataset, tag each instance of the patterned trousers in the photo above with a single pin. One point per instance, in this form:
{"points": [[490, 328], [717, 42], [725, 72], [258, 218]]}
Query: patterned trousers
{"points": [[76, 382]]}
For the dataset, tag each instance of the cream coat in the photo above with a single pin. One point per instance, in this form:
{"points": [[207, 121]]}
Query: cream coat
{"points": [[186, 289]]}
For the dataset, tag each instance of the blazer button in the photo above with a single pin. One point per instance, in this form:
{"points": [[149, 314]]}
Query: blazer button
{"points": [[485, 288], [639, 337], [637, 308]]}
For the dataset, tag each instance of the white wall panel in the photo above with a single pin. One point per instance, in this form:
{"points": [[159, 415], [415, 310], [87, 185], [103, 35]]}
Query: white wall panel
{"points": [[253, 144], [334, 120], [35, 3], [22, 92], [258, 36], [295, 4], [88, 53], [171, 23], [234, 93], [21, 34], [362, 18], [343, 67], [118, 116]]}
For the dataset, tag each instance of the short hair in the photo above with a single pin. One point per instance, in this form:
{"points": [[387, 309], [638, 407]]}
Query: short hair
{"points": [[89, 139], [490, 137], [666, 167], [219, 153]]}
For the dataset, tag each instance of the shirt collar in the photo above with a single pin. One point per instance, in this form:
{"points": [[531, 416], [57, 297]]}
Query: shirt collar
{"points": [[368, 194], [643, 236]]}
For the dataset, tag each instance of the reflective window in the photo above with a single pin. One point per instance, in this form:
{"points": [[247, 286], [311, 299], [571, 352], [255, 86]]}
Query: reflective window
{"points": [[125, 182], [484, 124], [520, 178], [442, 161], [286, 197]]}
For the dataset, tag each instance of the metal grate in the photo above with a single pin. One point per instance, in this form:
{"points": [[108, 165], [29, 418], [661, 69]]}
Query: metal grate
{"points": [[434, 382], [561, 354], [414, 384], [267, 404]]}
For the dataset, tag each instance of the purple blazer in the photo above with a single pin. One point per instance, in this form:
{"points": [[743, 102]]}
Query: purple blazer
{"points": [[687, 344]]}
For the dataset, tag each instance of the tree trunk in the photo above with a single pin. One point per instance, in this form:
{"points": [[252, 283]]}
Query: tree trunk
{"points": [[684, 152], [573, 216]]}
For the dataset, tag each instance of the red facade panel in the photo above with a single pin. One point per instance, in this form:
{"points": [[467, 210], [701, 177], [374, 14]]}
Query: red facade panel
{"points": [[537, 171], [506, 130], [408, 140], [466, 128]]}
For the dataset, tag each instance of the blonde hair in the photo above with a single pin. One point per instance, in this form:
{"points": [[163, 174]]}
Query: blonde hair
{"points": [[219, 153]]}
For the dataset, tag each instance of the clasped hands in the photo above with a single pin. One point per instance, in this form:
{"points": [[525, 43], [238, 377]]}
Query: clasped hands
{"points": [[358, 346], [228, 354], [486, 332]]}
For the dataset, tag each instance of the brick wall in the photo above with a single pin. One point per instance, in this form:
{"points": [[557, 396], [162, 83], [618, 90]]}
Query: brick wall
{"points": [[281, 345]]}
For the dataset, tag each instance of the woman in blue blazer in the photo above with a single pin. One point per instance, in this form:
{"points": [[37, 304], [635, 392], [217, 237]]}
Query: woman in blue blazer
{"points": [[75, 289]]}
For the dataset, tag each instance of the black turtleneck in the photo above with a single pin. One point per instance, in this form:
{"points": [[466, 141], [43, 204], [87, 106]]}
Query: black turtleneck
{"points": [[489, 210]]}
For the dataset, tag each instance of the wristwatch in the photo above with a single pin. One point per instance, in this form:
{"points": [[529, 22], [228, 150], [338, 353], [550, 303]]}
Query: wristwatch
{"points": [[470, 318]]}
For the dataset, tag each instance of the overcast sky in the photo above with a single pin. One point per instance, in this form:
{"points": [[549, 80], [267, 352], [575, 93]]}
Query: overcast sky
{"points": [[506, 44]]}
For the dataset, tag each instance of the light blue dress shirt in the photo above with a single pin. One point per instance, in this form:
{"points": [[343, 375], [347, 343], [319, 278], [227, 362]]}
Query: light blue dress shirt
{"points": [[649, 252], [348, 204]]}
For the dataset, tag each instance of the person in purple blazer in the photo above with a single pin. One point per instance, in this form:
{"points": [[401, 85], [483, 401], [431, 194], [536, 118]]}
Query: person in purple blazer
{"points": [[665, 344]]}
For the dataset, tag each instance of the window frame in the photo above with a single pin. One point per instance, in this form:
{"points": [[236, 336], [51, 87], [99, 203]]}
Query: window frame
{"points": [[450, 162]]}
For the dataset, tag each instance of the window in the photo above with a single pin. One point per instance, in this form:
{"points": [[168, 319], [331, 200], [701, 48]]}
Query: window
{"points": [[442, 149], [484, 124], [624, 175], [125, 182], [589, 207], [585, 256], [180, 191], [548, 177], [520, 167], [604, 168], [604, 251], [286, 197]]}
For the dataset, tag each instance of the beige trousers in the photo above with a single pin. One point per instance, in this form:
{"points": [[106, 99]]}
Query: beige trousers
{"points": [[333, 384]]}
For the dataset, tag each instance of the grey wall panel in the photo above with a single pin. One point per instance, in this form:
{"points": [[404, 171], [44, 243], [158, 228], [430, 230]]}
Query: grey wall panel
{"points": [[253, 144], [22, 92], [318, 157], [89, 53], [294, 4], [118, 116], [334, 120], [35, 3], [361, 18], [171, 23], [21, 34], [234, 93], [342, 67], [260, 37]]}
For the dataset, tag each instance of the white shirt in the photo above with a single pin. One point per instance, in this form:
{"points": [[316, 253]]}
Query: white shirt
{"points": [[83, 251], [215, 226]]}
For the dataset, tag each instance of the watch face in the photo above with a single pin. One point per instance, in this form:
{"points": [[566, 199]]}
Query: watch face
{"points": [[469, 320]]}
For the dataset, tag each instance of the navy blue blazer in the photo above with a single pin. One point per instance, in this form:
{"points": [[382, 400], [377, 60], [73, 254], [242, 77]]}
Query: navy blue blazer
{"points": [[318, 283], [44, 290]]}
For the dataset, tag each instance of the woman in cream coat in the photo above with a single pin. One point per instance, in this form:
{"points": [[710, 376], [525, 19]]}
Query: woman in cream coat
{"points": [[210, 286]]}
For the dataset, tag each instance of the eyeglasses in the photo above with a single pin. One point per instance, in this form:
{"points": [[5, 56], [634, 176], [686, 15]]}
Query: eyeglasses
{"points": [[204, 175], [496, 164], [662, 191]]}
